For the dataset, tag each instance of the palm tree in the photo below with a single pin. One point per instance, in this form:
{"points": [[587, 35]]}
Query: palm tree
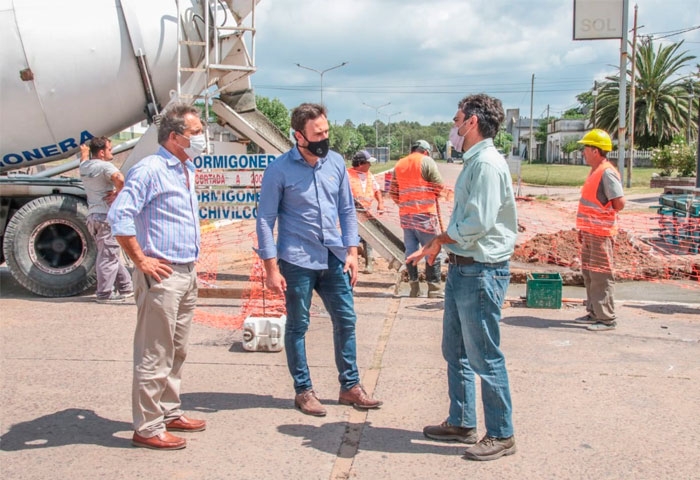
{"points": [[661, 103]]}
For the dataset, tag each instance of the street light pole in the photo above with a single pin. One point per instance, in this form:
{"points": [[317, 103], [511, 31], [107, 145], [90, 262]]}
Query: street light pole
{"points": [[321, 72], [388, 141], [376, 109]]}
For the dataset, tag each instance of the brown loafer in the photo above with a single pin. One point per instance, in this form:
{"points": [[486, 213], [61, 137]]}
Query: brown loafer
{"points": [[358, 398], [184, 424], [309, 404], [162, 441]]}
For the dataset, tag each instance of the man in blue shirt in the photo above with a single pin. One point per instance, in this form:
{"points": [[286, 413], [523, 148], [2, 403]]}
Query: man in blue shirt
{"points": [[306, 192], [480, 240], [155, 220]]}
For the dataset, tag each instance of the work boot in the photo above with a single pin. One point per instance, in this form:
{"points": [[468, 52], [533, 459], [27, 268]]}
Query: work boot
{"points": [[435, 290], [449, 433], [601, 326], [491, 448], [415, 289], [433, 273]]}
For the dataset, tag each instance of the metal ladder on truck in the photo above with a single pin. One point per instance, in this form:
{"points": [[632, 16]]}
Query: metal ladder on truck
{"points": [[219, 68]]}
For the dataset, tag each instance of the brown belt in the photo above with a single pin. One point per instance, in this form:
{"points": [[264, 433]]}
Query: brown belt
{"points": [[459, 260]]}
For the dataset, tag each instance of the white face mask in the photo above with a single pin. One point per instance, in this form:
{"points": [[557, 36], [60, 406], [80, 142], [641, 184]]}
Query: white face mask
{"points": [[197, 145], [456, 139]]}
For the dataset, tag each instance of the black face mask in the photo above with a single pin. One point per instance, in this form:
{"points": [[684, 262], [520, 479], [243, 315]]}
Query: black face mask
{"points": [[319, 149]]}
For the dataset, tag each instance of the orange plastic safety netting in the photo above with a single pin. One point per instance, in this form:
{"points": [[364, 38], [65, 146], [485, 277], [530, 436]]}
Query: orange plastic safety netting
{"points": [[655, 243]]}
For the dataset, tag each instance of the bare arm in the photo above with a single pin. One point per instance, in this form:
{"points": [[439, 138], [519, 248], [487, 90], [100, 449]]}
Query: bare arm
{"points": [[618, 203], [117, 180], [380, 200]]}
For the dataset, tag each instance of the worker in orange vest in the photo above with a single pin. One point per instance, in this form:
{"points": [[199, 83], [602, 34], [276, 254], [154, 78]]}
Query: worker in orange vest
{"points": [[415, 187], [596, 221], [365, 189]]}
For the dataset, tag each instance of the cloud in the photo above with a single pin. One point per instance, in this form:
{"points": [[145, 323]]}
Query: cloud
{"points": [[423, 56]]}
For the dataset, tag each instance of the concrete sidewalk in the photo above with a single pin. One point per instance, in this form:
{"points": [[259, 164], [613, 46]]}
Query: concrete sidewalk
{"points": [[619, 404]]}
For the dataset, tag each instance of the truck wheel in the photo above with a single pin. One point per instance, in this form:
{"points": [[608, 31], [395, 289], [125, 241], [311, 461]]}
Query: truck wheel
{"points": [[48, 248]]}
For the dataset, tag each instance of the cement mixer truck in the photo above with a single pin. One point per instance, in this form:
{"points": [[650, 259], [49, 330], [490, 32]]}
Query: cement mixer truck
{"points": [[76, 69]]}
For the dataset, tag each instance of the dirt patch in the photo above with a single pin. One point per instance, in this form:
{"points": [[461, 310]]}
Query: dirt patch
{"points": [[634, 259]]}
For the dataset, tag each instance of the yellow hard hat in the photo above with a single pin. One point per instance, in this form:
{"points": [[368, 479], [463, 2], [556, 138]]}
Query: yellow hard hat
{"points": [[597, 138]]}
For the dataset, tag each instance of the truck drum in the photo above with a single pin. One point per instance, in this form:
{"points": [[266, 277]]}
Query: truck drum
{"points": [[48, 248]]}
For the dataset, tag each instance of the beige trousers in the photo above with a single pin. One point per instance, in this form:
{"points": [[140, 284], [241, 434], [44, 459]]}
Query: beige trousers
{"points": [[164, 316], [597, 270]]}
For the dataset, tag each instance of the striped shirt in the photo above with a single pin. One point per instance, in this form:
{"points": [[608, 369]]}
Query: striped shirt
{"points": [[158, 208]]}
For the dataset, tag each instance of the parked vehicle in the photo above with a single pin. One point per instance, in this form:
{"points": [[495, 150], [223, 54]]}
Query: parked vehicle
{"points": [[76, 69]]}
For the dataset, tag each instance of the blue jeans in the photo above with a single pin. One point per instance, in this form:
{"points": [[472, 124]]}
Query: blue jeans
{"points": [[413, 239], [470, 344], [333, 286]]}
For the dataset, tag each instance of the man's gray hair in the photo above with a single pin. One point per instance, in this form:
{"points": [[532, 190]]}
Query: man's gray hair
{"points": [[172, 119]]}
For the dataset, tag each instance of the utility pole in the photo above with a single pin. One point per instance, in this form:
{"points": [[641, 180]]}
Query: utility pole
{"points": [[595, 103], [532, 145], [690, 108], [376, 109], [622, 110], [388, 142], [321, 73], [633, 82]]}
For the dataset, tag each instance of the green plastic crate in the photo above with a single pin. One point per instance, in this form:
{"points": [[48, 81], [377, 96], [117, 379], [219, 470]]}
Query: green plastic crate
{"points": [[543, 290]]}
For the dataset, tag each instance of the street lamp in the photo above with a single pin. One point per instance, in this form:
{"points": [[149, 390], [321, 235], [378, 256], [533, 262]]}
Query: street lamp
{"points": [[376, 109], [321, 72], [388, 142]]}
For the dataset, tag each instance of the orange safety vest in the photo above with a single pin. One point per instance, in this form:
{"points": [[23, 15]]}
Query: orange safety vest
{"points": [[592, 216], [366, 195], [415, 194]]}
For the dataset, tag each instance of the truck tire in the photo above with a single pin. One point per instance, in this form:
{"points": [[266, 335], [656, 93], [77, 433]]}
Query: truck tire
{"points": [[48, 248]]}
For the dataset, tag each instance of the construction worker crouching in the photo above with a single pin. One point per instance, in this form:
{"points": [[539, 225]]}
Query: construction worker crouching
{"points": [[365, 190]]}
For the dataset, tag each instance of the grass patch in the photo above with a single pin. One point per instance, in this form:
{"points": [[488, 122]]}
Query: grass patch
{"points": [[554, 175]]}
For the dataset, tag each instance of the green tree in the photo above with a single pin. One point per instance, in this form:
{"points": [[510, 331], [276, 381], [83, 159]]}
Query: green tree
{"points": [[662, 97], [275, 111], [503, 141], [569, 145], [345, 140]]}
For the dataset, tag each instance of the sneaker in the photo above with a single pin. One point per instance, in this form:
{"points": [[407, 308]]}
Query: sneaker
{"points": [[491, 448], [586, 319], [113, 298], [602, 326], [309, 404], [128, 294], [449, 433]]}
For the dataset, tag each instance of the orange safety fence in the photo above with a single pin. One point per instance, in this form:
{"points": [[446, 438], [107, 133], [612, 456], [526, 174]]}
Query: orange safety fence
{"points": [[650, 246]]}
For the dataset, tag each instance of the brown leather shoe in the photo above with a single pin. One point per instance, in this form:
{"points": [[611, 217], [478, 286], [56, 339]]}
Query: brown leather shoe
{"points": [[309, 404], [184, 424], [358, 398], [162, 441]]}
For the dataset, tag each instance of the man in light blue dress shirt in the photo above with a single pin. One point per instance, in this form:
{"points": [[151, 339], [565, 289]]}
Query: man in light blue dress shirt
{"points": [[306, 194], [155, 220], [480, 240]]}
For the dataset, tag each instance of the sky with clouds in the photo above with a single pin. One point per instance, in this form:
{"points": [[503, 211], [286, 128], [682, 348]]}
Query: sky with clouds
{"points": [[424, 56]]}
